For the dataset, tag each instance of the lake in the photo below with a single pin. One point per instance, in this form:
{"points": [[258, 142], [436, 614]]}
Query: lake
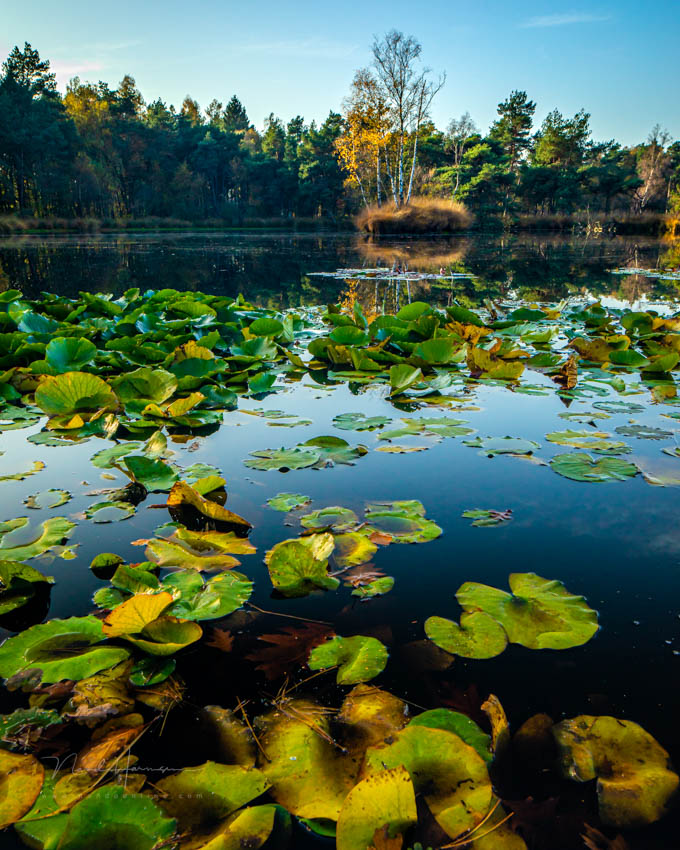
{"points": [[616, 543]]}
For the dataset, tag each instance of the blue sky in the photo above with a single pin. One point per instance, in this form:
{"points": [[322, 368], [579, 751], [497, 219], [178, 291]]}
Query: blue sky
{"points": [[618, 60]]}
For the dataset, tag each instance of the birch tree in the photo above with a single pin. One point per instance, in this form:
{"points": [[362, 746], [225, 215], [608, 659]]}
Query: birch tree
{"points": [[458, 134]]}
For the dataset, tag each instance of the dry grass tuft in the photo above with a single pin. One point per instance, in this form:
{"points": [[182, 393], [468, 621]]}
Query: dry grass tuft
{"points": [[422, 215]]}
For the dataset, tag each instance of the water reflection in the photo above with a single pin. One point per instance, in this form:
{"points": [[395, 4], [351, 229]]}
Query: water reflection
{"points": [[272, 269]]}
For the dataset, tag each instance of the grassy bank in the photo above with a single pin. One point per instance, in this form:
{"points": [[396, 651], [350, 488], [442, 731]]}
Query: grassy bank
{"points": [[15, 224]]}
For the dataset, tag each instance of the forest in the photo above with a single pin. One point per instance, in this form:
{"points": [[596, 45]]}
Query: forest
{"points": [[103, 154]]}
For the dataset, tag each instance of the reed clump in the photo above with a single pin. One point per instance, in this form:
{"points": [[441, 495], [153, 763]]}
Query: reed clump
{"points": [[420, 215]]}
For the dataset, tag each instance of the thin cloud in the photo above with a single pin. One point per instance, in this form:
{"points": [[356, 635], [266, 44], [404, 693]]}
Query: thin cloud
{"points": [[309, 48], [564, 19], [66, 70]]}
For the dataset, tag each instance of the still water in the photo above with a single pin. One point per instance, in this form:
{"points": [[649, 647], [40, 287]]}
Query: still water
{"points": [[617, 544]]}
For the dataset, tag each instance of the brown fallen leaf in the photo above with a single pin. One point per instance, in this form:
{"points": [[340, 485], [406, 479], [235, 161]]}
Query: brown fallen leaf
{"points": [[221, 639], [288, 649], [595, 840], [380, 538], [567, 376], [361, 575], [382, 841]]}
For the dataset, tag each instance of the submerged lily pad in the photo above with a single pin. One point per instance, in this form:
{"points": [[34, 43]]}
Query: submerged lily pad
{"points": [[110, 511], [60, 649], [491, 446], [643, 432], [358, 659], [582, 467], [404, 521], [48, 499], [282, 459], [635, 781]]}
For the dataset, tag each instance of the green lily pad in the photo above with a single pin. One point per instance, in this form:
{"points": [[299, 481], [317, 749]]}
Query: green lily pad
{"points": [[635, 782], [479, 635], [47, 499], [151, 671], [207, 600], [538, 614], [69, 354], [38, 466], [402, 377], [594, 441], [107, 458], [74, 392], [334, 450], [359, 422], [155, 475], [166, 636], [110, 817], [283, 459], [486, 517], [145, 383], [619, 406], [404, 521], [352, 549], [358, 659], [334, 519], [60, 649], [584, 418], [18, 584], [582, 467], [285, 502], [461, 725], [295, 570], [644, 432], [377, 587], [491, 446]]}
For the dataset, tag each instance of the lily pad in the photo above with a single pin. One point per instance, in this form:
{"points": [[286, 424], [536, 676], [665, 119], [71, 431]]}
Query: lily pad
{"points": [[358, 659], [155, 475], [377, 587], [21, 778], [582, 467], [353, 548], [110, 511], [449, 773], [491, 446], [48, 499], [74, 392], [478, 636], [404, 521], [643, 432], [38, 466], [487, 517], [283, 459], [183, 495], [359, 422], [295, 569], [166, 635], [207, 600], [18, 584], [60, 649], [285, 502], [383, 799], [334, 519], [109, 815], [53, 532], [594, 441], [538, 614], [334, 450], [68, 354], [635, 781]]}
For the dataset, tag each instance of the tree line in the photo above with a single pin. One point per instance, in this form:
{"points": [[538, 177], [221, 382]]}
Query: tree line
{"points": [[105, 153]]}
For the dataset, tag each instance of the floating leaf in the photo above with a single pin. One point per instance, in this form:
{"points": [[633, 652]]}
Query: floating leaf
{"points": [[383, 799], [635, 782], [145, 383], [38, 466], [582, 467], [359, 422], [53, 532], [483, 517], [108, 813], [21, 780], [294, 568], [48, 499], [377, 587], [461, 725], [478, 636], [68, 354], [18, 584], [404, 521], [353, 548], [166, 635], [402, 377], [334, 450], [282, 459], [110, 511], [643, 432], [491, 446], [288, 501], [538, 614], [450, 774], [135, 613], [74, 392], [155, 475], [60, 649], [335, 519], [182, 495], [593, 440], [359, 658], [207, 600]]}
